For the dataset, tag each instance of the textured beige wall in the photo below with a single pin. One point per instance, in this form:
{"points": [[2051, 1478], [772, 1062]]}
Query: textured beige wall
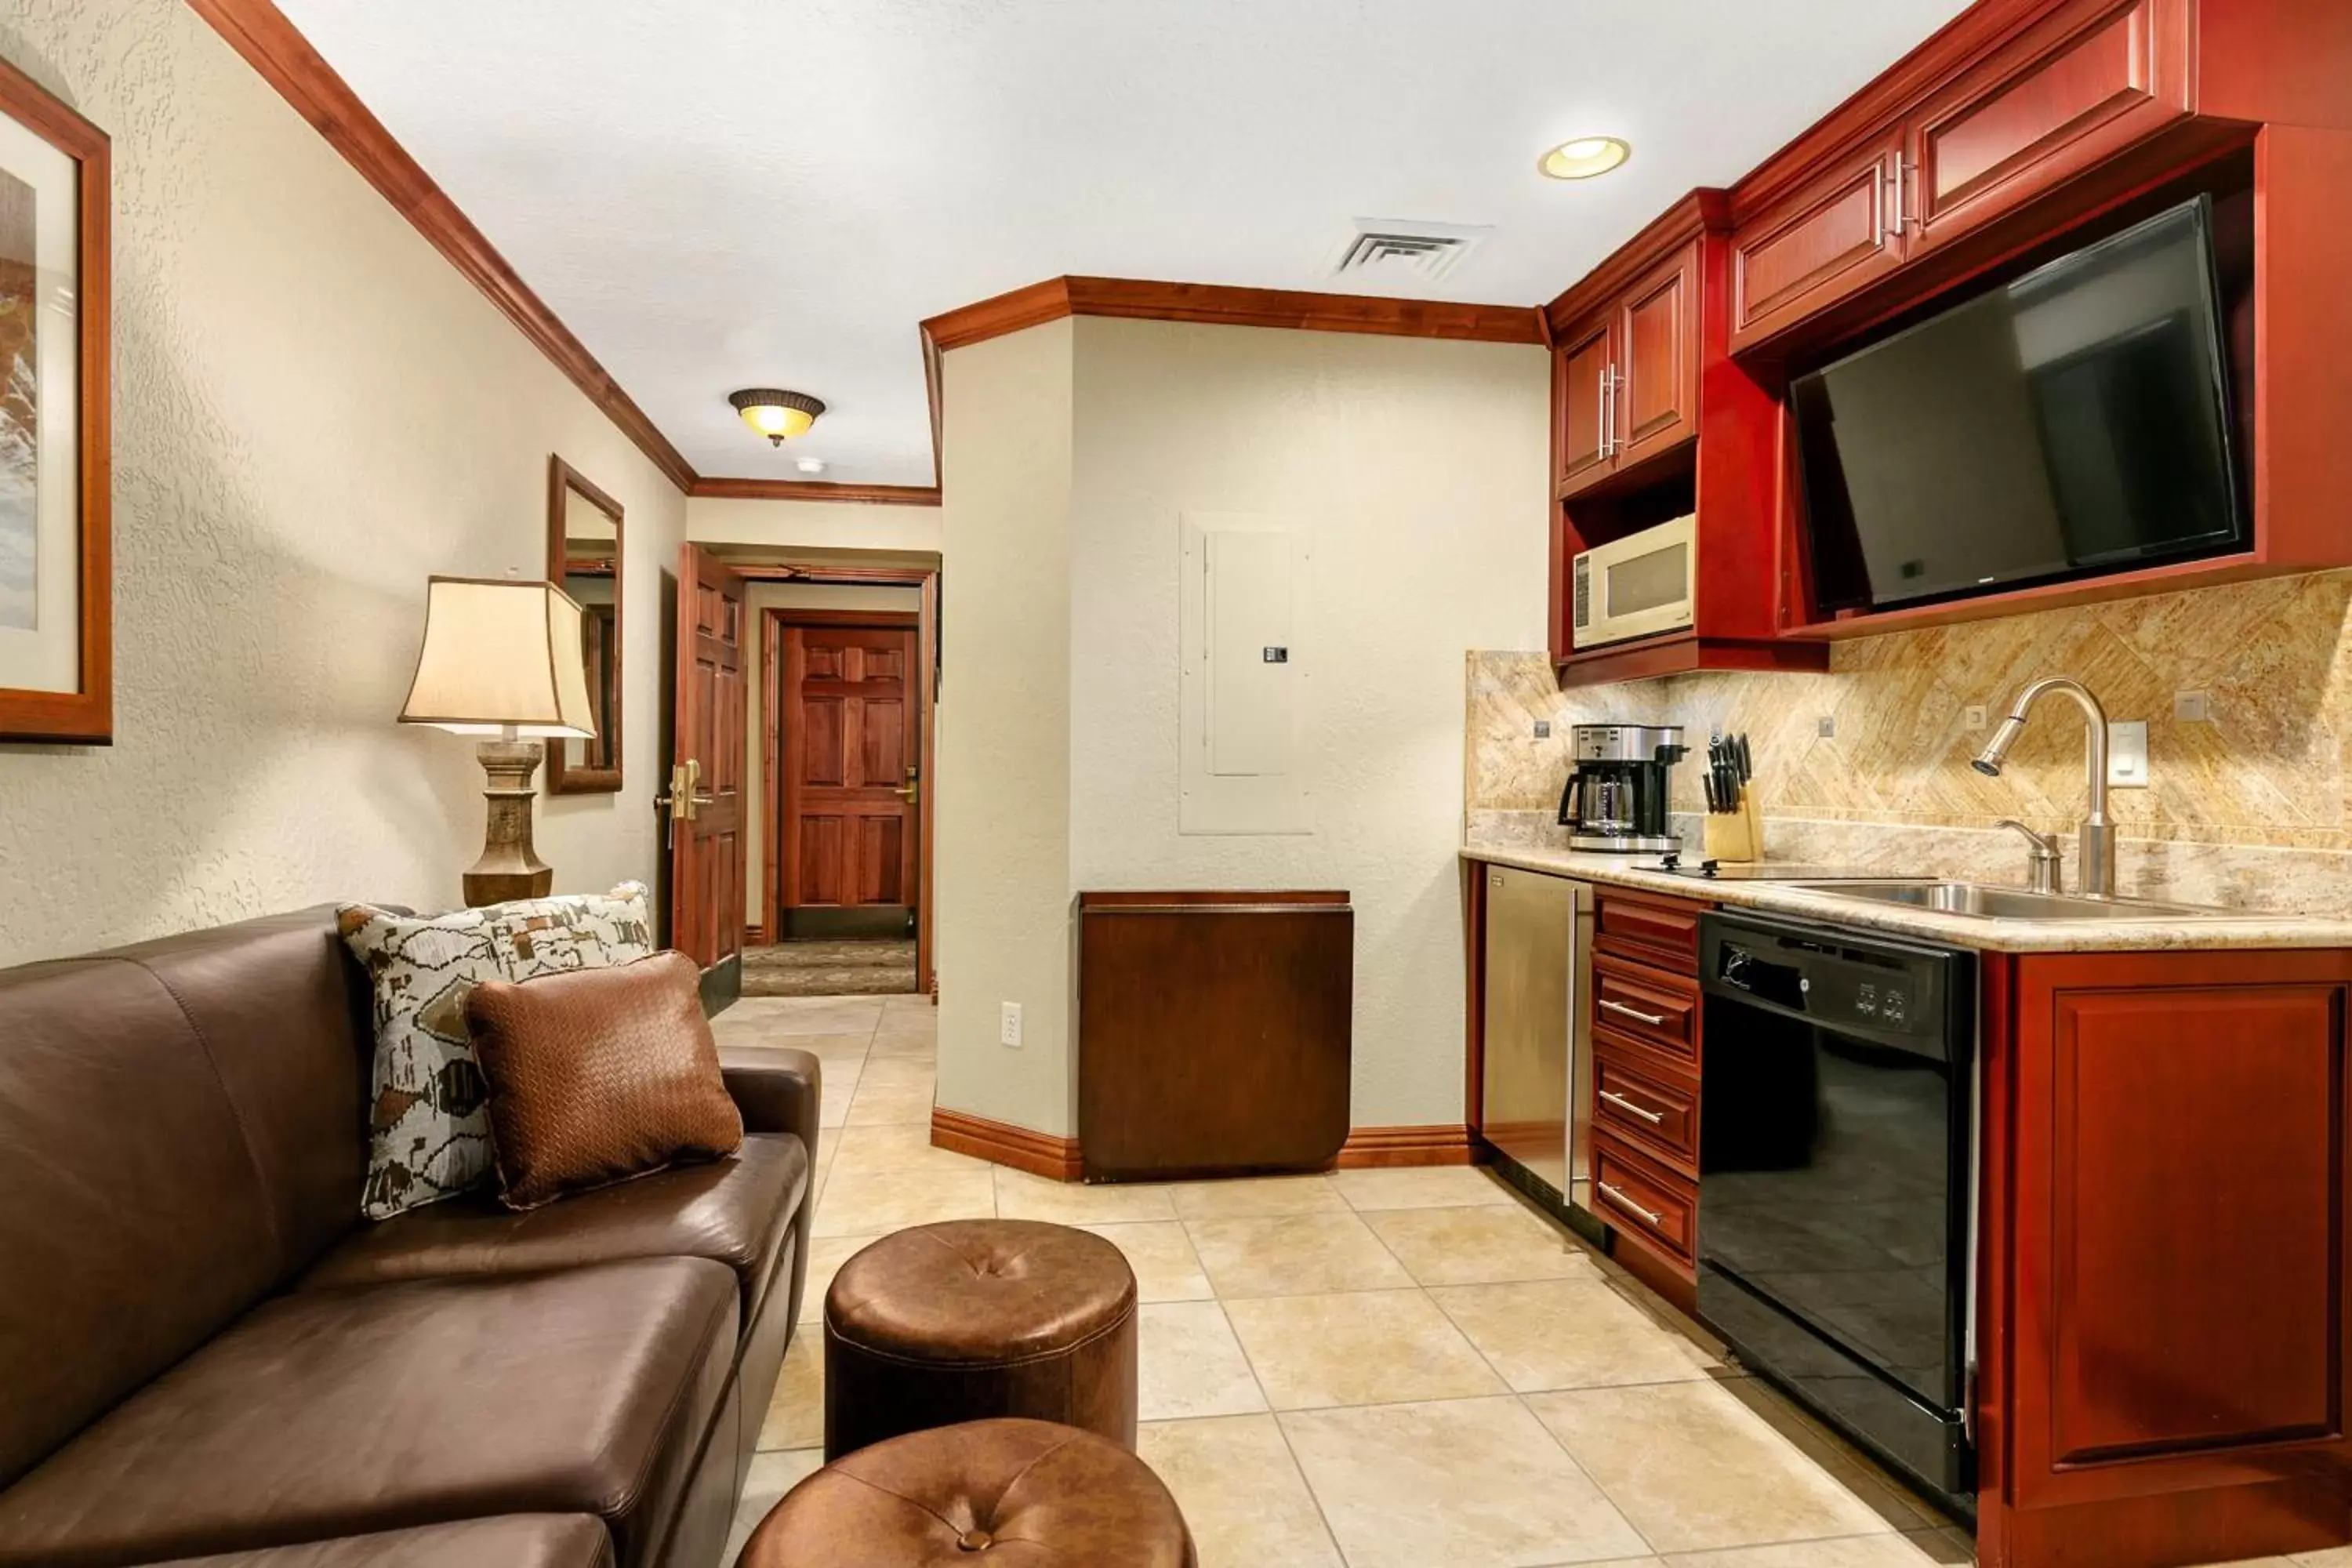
{"points": [[313, 410], [1003, 814], [1420, 467], [812, 525], [763, 598]]}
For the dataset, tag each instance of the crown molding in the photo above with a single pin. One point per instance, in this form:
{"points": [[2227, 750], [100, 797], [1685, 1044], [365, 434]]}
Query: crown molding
{"points": [[1221, 305], [273, 45], [814, 490]]}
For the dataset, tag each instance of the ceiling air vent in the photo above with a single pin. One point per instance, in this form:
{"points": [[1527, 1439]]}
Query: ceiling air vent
{"points": [[1401, 249]]}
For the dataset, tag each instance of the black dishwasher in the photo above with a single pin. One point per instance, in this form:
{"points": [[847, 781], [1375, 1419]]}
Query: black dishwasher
{"points": [[1836, 1153]]}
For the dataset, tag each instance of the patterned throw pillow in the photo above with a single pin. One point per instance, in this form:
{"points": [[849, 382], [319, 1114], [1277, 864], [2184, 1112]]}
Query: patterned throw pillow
{"points": [[429, 1135]]}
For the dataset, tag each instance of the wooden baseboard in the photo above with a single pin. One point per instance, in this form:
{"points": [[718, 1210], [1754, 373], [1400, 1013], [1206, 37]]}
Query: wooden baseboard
{"points": [[1039, 1153], [1376, 1147]]}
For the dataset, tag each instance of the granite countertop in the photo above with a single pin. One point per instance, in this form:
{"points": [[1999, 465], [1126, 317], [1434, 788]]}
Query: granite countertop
{"points": [[2169, 932]]}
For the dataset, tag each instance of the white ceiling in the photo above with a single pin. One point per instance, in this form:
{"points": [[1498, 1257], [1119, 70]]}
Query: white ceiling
{"points": [[715, 194]]}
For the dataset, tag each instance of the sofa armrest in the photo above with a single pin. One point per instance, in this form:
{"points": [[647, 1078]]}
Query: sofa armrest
{"points": [[776, 1090]]}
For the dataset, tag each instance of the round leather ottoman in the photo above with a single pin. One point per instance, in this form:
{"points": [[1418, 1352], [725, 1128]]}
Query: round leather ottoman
{"points": [[1048, 1496], [973, 1319]]}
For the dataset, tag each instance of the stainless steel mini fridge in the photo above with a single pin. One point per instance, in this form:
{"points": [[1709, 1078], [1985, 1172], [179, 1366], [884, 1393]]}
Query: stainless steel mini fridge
{"points": [[1536, 1087]]}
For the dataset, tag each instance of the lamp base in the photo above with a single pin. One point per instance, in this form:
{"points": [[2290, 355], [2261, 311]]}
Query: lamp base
{"points": [[509, 867]]}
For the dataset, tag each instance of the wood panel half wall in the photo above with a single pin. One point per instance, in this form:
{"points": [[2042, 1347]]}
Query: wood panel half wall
{"points": [[1059, 1159]]}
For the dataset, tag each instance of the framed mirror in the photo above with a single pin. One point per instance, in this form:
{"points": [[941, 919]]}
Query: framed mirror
{"points": [[583, 557]]}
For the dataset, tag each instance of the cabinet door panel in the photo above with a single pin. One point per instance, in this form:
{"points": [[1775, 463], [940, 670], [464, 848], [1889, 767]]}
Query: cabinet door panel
{"points": [[2073, 90], [1815, 247], [1583, 369], [2181, 1238], [1658, 329]]}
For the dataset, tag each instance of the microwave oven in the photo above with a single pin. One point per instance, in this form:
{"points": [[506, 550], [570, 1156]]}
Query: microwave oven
{"points": [[1636, 586]]}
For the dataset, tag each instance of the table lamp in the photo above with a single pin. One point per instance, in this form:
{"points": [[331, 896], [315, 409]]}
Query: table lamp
{"points": [[501, 659]]}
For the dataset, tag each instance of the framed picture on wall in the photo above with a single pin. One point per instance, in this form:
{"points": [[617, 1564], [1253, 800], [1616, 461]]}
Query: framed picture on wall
{"points": [[57, 677]]}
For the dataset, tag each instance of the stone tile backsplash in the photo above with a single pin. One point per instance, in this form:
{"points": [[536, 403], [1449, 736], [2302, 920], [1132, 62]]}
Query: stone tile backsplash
{"points": [[1867, 762]]}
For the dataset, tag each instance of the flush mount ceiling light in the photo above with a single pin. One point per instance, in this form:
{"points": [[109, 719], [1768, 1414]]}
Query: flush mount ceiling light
{"points": [[811, 465], [778, 414], [1583, 158]]}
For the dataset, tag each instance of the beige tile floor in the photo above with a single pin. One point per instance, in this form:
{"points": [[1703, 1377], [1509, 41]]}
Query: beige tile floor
{"points": [[1374, 1369]]}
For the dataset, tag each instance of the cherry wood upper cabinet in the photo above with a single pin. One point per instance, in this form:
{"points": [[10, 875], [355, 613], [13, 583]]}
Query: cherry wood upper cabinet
{"points": [[1656, 402], [1584, 375], [1824, 240], [2082, 84]]}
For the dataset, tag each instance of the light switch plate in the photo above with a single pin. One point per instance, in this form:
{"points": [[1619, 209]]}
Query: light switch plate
{"points": [[1008, 1026], [2191, 708], [2128, 754], [1825, 727]]}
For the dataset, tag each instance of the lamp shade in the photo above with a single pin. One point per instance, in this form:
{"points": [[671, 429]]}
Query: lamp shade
{"points": [[501, 656]]}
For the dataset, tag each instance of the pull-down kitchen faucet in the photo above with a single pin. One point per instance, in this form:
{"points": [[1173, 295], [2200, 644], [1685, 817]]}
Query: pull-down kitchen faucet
{"points": [[2096, 876]]}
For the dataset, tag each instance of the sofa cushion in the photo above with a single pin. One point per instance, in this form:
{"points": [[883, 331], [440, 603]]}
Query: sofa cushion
{"points": [[331, 1413], [735, 1211], [598, 1077], [513, 1541], [429, 1134], [133, 1223]]}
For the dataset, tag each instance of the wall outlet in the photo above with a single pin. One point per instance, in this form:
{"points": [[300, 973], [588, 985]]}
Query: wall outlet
{"points": [[2127, 754], [2191, 708], [1543, 729], [1825, 727], [1973, 716], [1008, 1024]]}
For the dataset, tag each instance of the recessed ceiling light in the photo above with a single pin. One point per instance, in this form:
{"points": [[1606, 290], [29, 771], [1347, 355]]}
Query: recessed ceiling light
{"points": [[811, 465], [1584, 157], [776, 413]]}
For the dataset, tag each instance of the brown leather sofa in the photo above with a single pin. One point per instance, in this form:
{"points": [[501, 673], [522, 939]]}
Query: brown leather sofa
{"points": [[205, 1354]]}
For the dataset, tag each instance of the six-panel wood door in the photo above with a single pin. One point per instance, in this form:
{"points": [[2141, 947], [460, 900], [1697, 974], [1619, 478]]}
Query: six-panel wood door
{"points": [[1657, 397], [2175, 1192], [1583, 367], [705, 800], [1816, 246], [2074, 90], [847, 827]]}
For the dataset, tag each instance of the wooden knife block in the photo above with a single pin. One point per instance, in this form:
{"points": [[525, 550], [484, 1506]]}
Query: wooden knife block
{"points": [[1738, 835]]}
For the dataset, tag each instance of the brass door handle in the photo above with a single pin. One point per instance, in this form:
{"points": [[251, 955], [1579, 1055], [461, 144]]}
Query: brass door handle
{"points": [[907, 793]]}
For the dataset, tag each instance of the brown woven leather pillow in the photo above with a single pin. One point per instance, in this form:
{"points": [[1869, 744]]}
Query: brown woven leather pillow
{"points": [[598, 1075]]}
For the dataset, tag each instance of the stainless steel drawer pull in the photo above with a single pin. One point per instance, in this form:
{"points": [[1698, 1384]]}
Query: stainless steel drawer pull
{"points": [[1634, 1012], [1621, 1103], [1651, 1215]]}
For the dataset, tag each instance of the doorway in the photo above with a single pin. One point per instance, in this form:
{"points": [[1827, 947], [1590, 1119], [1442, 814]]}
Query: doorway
{"points": [[841, 742]]}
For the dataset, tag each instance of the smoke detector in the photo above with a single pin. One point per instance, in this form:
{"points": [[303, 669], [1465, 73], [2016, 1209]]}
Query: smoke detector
{"points": [[1404, 249]]}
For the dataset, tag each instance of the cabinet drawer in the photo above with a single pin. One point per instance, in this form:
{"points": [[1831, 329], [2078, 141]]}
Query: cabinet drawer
{"points": [[1644, 1105], [1644, 1200], [1660, 931], [1659, 1010]]}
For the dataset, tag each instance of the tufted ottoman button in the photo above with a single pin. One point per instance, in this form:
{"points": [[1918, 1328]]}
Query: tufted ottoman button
{"points": [[970, 1320], [1060, 1498]]}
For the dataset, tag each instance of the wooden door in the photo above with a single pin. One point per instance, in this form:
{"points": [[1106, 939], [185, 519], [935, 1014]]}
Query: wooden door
{"points": [[1583, 369], [847, 824], [2071, 91], [1816, 246], [2165, 1307], [1657, 386], [705, 800]]}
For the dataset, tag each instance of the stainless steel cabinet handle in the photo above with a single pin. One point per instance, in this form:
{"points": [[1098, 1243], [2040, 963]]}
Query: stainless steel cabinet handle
{"points": [[1621, 1103], [1651, 1215], [1650, 1018]]}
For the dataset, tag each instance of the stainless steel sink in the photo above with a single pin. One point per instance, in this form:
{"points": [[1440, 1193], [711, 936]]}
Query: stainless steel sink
{"points": [[1993, 903]]}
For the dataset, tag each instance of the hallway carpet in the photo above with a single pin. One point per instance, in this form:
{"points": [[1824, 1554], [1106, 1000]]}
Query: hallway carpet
{"points": [[830, 969]]}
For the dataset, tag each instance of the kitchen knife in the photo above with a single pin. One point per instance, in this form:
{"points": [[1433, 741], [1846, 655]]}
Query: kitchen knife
{"points": [[1747, 763], [1707, 783]]}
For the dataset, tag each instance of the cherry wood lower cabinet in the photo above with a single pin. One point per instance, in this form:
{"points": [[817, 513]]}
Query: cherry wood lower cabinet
{"points": [[2162, 1351]]}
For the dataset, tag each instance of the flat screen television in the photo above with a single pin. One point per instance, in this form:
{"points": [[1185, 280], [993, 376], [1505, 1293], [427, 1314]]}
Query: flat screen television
{"points": [[2073, 422]]}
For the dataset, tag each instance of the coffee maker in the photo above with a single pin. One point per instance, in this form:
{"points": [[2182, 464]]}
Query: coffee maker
{"points": [[1616, 797]]}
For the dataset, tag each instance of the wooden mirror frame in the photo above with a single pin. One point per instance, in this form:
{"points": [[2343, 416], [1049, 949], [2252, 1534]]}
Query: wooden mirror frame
{"points": [[564, 481]]}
